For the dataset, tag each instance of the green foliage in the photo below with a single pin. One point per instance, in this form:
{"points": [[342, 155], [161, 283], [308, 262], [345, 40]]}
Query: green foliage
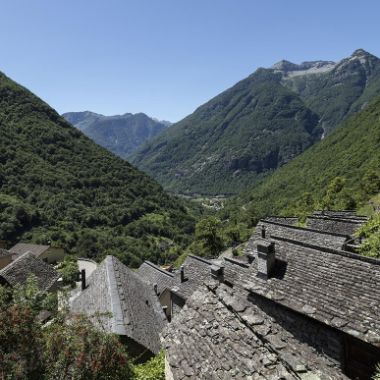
{"points": [[61, 350], [370, 232], [77, 351], [208, 237], [58, 187], [154, 369], [237, 138], [233, 140], [376, 376], [348, 152], [69, 270]]}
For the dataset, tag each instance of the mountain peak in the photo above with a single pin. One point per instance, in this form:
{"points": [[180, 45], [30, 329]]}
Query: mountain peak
{"points": [[360, 53]]}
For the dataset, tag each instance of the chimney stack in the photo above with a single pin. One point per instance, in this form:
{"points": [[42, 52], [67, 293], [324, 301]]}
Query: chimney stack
{"points": [[263, 231], [266, 258], [217, 272], [83, 278], [182, 269]]}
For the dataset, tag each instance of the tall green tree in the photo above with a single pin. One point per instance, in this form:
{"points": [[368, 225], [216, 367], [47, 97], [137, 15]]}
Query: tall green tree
{"points": [[208, 232]]}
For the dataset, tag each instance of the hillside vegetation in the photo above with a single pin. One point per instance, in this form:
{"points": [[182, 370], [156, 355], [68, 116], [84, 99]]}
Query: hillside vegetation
{"points": [[120, 134], [347, 159], [58, 187], [233, 140], [244, 134]]}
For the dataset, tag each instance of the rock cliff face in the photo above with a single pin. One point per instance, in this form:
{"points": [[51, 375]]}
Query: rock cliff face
{"points": [[120, 134], [259, 124]]}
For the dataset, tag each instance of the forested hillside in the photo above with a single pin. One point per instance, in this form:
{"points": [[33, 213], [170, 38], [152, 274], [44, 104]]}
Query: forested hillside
{"points": [[233, 140], [346, 163], [120, 134], [58, 187], [260, 124]]}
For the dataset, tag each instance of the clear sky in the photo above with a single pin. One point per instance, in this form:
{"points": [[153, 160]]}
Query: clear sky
{"points": [[167, 57]]}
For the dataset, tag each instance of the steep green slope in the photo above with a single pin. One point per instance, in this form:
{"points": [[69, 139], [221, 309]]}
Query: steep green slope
{"points": [[233, 140], [352, 151], [120, 134], [261, 123], [57, 186]]}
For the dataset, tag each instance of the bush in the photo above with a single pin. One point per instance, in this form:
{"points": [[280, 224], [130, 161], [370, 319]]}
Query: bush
{"points": [[154, 369]]}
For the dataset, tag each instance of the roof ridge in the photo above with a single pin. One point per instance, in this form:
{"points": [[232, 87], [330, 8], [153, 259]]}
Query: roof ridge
{"points": [[303, 228], [158, 268], [200, 259], [118, 324], [354, 256]]}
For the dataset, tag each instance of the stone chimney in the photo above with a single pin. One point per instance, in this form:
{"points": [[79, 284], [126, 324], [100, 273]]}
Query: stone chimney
{"points": [[182, 272], [217, 272], [263, 231], [266, 258], [83, 278]]}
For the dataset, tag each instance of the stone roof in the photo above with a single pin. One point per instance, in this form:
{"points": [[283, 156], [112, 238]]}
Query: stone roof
{"points": [[219, 334], [334, 287], [18, 271], [4, 252], [36, 249], [132, 305], [155, 275], [196, 270], [334, 224], [307, 235]]}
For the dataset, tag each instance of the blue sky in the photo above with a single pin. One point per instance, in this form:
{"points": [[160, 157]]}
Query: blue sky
{"points": [[167, 57]]}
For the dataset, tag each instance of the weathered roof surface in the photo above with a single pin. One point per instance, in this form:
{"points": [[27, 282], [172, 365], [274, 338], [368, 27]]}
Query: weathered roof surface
{"points": [[155, 275], [219, 334], [196, 270], [290, 220], [307, 235], [345, 214], [36, 249], [132, 303], [18, 271], [335, 287], [4, 252], [338, 225]]}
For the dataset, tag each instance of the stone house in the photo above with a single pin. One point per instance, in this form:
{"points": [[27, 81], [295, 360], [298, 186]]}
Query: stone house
{"points": [[296, 306], [47, 253], [26, 265], [161, 281], [120, 302]]}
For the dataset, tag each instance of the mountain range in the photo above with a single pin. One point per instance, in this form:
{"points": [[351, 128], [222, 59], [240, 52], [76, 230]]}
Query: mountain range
{"points": [[350, 152], [58, 187], [263, 122], [120, 134]]}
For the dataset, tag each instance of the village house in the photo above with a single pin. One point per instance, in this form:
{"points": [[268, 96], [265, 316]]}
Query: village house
{"points": [[47, 253], [120, 302], [26, 265], [296, 306]]}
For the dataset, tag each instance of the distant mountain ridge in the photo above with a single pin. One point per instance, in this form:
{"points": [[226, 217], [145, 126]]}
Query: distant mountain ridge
{"points": [[259, 124], [120, 134]]}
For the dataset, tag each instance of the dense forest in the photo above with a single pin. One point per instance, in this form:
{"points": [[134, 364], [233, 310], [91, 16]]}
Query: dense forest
{"points": [[58, 187], [233, 141], [346, 163]]}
